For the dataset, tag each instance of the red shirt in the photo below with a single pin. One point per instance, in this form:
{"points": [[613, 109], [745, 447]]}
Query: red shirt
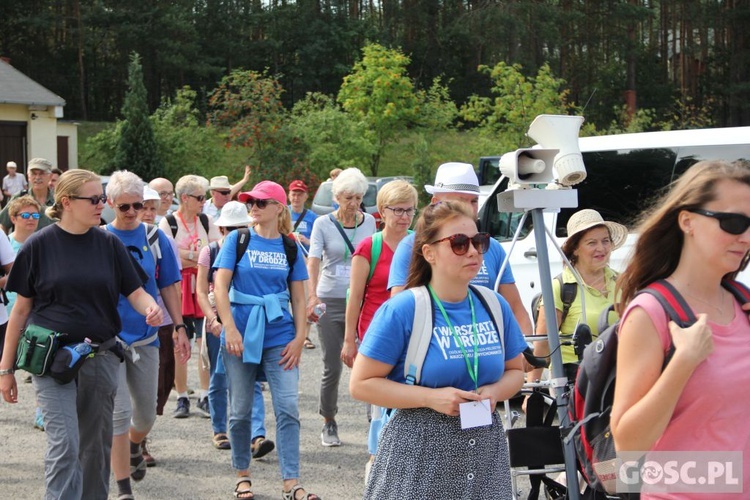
{"points": [[376, 291]]}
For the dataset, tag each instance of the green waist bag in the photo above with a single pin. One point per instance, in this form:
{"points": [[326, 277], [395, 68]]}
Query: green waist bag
{"points": [[36, 349]]}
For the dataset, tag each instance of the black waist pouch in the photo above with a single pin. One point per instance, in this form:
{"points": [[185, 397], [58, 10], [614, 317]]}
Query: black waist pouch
{"points": [[68, 361]]}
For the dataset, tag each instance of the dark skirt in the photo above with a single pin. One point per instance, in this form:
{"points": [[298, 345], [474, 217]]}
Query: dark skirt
{"points": [[425, 454]]}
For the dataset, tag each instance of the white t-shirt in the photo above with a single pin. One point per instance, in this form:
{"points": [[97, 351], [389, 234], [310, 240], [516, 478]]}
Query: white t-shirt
{"points": [[15, 184]]}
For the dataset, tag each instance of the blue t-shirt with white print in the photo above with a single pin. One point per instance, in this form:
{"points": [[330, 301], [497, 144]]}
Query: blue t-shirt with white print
{"points": [[486, 277], [387, 340], [161, 274], [263, 270], [306, 224]]}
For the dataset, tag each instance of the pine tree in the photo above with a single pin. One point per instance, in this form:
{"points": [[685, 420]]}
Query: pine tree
{"points": [[136, 150]]}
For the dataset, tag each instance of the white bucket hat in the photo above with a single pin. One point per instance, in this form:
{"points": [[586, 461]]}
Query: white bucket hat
{"points": [[233, 214], [150, 194], [588, 218], [455, 177], [219, 182]]}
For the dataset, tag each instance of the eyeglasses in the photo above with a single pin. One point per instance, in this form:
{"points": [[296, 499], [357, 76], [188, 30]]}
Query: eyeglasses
{"points": [[29, 215], [400, 212], [729, 222], [224, 193], [165, 194], [460, 242], [94, 200], [261, 204], [200, 197], [124, 207]]}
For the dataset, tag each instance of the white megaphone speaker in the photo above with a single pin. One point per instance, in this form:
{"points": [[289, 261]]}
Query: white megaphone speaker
{"points": [[524, 167], [561, 132]]}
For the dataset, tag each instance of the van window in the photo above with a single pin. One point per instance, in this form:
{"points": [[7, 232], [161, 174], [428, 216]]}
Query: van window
{"points": [[370, 198], [324, 196]]}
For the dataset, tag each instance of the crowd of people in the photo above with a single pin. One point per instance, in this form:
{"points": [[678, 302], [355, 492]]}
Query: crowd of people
{"points": [[242, 275]]}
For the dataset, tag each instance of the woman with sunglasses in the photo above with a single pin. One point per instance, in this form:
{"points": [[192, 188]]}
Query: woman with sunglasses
{"points": [[423, 449], [694, 237], [590, 243], [191, 230], [69, 277], [24, 213], [253, 293], [135, 403], [333, 242]]}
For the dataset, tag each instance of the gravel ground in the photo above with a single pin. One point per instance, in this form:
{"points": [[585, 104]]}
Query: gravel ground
{"points": [[189, 466]]}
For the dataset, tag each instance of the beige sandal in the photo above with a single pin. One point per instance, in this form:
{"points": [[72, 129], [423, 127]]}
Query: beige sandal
{"points": [[244, 493], [292, 494]]}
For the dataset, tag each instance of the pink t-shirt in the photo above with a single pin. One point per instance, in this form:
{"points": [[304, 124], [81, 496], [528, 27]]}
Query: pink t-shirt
{"points": [[376, 291], [713, 411]]}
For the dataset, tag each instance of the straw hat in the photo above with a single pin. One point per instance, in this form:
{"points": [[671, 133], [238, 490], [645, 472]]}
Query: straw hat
{"points": [[588, 218]]}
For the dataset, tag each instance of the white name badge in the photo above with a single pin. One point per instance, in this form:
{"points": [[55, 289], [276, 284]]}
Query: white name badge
{"points": [[475, 414], [343, 271]]}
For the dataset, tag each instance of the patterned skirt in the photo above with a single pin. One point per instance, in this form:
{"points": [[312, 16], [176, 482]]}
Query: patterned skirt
{"points": [[425, 454]]}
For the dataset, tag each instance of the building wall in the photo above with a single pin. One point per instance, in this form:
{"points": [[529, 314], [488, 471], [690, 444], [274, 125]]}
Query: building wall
{"points": [[43, 128]]}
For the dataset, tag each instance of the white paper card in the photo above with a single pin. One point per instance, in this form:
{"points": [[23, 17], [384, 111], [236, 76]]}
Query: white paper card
{"points": [[343, 271], [475, 414]]}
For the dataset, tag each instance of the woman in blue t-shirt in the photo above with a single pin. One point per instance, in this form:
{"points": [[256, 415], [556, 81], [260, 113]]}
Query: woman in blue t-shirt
{"points": [[252, 295], [445, 440]]}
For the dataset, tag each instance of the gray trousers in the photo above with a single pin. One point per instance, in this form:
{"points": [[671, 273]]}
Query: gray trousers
{"points": [[138, 381], [331, 331], [78, 424]]}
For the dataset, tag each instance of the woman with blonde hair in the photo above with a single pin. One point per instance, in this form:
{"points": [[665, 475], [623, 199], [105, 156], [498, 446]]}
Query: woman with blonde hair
{"points": [[427, 449], [253, 291], [52, 294], [333, 242], [697, 235]]}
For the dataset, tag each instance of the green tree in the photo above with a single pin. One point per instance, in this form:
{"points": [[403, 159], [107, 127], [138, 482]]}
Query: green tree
{"points": [[379, 93], [333, 138], [518, 100], [248, 105], [136, 149]]}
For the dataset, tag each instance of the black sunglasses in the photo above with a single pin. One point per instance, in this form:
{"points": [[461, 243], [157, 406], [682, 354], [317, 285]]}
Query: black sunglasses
{"points": [[200, 197], [94, 200], [124, 207], [729, 222], [261, 204], [29, 215], [225, 193], [460, 242]]}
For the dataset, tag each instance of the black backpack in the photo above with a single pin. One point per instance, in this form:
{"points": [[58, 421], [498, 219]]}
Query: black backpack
{"points": [[243, 240], [568, 293], [590, 405], [173, 223]]}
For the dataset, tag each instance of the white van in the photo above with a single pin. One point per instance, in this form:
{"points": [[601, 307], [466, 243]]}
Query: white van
{"points": [[625, 173]]}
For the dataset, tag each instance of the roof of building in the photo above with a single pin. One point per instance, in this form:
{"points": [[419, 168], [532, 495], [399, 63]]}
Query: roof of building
{"points": [[17, 88]]}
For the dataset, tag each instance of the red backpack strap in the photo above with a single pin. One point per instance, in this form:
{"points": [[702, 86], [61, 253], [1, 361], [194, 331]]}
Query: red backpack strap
{"points": [[673, 303], [740, 292]]}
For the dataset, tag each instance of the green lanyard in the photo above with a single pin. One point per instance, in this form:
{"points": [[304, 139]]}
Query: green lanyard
{"points": [[473, 372]]}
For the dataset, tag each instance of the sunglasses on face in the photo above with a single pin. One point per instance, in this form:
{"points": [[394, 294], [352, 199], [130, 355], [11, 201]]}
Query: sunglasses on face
{"points": [[223, 193], [199, 197], [29, 215], [460, 242], [124, 207], [94, 200], [261, 204], [728, 222]]}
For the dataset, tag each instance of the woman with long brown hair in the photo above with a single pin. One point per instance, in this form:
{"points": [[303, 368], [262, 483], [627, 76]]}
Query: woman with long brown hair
{"points": [[696, 236]]}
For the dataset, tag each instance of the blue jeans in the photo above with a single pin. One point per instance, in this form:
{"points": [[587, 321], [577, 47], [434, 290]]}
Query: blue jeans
{"points": [[284, 393], [217, 395]]}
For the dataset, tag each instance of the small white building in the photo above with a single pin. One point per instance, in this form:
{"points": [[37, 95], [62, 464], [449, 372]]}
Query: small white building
{"points": [[31, 125]]}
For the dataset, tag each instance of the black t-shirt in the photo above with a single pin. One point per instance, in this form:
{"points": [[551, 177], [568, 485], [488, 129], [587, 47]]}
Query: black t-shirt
{"points": [[75, 281]]}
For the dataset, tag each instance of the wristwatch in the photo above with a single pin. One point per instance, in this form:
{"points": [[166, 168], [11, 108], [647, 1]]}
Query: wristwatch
{"points": [[181, 325], [9, 371]]}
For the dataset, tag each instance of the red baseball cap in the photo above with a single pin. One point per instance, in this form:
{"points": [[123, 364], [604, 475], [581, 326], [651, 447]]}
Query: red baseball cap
{"points": [[265, 190], [298, 185]]}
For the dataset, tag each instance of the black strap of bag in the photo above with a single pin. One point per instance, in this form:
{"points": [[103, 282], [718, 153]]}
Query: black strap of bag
{"points": [[299, 220], [342, 233]]}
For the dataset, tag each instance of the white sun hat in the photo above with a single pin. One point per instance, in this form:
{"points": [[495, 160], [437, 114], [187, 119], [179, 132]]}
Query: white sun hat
{"points": [[233, 214], [455, 177], [150, 194]]}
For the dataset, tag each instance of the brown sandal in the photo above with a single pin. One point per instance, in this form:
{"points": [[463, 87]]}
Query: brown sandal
{"points": [[309, 343], [244, 493], [221, 441]]}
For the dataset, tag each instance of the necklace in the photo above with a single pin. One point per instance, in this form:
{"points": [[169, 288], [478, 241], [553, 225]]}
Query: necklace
{"points": [[720, 309]]}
